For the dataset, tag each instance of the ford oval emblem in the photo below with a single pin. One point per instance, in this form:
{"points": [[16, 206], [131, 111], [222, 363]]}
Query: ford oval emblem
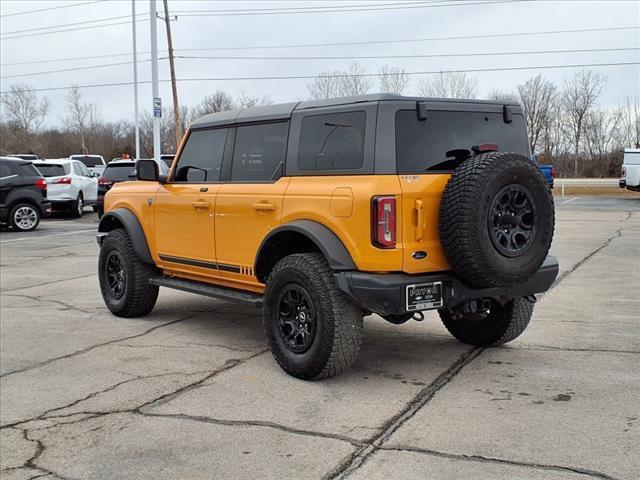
{"points": [[419, 255]]}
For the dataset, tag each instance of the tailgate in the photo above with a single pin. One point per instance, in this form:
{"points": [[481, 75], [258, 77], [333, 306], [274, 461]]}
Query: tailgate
{"points": [[421, 195]]}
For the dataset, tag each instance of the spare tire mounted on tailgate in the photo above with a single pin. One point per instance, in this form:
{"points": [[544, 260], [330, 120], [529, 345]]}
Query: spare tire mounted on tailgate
{"points": [[496, 220]]}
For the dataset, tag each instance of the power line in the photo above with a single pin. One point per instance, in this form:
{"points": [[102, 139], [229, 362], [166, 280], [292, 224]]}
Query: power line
{"points": [[52, 27], [427, 55], [354, 57], [73, 29], [377, 42], [311, 77], [337, 9], [49, 8]]}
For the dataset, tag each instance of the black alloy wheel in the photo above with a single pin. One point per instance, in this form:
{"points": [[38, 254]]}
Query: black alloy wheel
{"points": [[116, 274], [297, 320], [512, 220]]}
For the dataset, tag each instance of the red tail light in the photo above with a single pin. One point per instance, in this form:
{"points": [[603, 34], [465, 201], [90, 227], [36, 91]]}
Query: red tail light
{"points": [[41, 183], [383, 220], [485, 147], [553, 172], [104, 181], [63, 180], [624, 171]]}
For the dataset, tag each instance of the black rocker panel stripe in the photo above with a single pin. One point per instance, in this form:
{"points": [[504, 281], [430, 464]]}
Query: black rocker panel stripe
{"points": [[201, 263]]}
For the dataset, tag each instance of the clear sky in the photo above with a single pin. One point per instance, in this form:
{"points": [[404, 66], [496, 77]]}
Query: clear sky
{"points": [[221, 33]]}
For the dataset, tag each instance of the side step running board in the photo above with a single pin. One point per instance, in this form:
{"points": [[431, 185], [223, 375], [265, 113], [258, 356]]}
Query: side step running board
{"points": [[201, 288]]}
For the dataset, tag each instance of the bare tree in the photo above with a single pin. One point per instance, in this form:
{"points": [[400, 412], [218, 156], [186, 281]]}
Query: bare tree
{"points": [[83, 118], [449, 85], [219, 101], [579, 97], [536, 96], [350, 82], [393, 79], [600, 128], [629, 131], [245, 100], [500, 96], [24, 109]]}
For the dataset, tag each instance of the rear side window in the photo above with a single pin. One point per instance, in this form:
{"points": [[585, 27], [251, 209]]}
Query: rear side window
{"points": [[119, 173], [201, 157], [423, 145], [30, 170], [332, 141], [5, 170], [52, 170], [259, 152]]}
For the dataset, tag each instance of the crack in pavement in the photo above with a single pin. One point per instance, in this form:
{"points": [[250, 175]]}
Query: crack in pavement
{"points": [[67, 306], [357, 459], [88, 349], [549, 348], [30, 463], [258, 423], [617, 234], [501, 461], [190, 345], [49, 283]]}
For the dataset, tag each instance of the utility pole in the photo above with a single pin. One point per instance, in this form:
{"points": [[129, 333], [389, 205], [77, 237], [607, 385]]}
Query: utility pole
{"points": [[157, 102], [174, 88], [135, 78]]}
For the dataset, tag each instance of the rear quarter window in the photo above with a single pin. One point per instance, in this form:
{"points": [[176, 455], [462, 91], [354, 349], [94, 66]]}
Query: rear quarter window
{"points": [[30, 170], [423, 145], [332, 141]]}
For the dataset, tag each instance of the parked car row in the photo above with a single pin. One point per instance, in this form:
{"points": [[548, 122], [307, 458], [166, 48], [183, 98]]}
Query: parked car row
{"points": [[32, 188]]}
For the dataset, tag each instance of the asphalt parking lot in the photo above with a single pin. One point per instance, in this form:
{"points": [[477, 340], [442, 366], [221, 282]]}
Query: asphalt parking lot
{"points": [[192, 392]]}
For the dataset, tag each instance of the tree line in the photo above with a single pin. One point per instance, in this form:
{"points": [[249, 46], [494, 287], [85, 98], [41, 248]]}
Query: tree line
{"points": [[566, 125]]}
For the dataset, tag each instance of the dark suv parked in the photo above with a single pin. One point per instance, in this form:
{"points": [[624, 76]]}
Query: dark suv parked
{"points": [[23, 194]]}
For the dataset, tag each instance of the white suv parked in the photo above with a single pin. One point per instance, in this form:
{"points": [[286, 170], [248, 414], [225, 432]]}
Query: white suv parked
{"points": [[631, 169], [70, 185], [95, 163]]}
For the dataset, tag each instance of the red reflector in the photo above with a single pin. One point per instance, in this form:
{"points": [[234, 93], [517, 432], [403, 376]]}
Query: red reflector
{"points": [[41, 184], [384, 222], [64, 180], [104, 181], [553, 172]]}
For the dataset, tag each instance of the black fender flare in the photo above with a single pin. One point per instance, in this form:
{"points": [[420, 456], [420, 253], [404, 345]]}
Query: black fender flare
{"points": [[327, 242], [123, 217]]}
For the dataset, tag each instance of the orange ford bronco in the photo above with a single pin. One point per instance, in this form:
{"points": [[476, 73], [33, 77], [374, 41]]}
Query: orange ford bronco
{"points": [[323, 212]]}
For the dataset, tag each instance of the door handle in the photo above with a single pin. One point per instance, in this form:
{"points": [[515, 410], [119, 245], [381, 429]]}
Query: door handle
{"points": [[264, 206], [199, 205], [420, 223]]}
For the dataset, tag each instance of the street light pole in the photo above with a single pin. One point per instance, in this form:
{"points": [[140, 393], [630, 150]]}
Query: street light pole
{"points": [[135, 78], [157, 105]]}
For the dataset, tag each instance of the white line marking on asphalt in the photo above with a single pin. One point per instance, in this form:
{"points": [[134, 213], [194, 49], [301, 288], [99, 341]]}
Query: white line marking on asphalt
{"points": [[567, 201], [48, 236]]}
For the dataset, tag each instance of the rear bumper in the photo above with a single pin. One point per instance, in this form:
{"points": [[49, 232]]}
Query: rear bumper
{"points": [[45, 209], [386, 293]]}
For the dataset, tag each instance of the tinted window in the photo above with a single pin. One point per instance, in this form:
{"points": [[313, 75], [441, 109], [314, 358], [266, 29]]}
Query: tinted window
{"points": [[52, 170], [201, 157], [29, 169], [120, 172], [423, 145], [332, 142], [259, 152], [88, 161], [5, 170]]}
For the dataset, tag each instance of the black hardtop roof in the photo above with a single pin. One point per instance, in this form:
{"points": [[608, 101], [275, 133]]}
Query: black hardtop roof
{"points": [[283, 111]]}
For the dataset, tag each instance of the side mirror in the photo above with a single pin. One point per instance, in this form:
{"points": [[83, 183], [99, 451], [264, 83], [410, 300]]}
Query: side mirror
{"points": [[147, 170]]}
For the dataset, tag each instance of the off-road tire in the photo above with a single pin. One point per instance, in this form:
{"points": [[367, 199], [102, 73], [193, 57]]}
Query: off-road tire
{"points": [[139, 296], [20, 226], [464, 218], [338, 331], [74, 211], [504, 324]]}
